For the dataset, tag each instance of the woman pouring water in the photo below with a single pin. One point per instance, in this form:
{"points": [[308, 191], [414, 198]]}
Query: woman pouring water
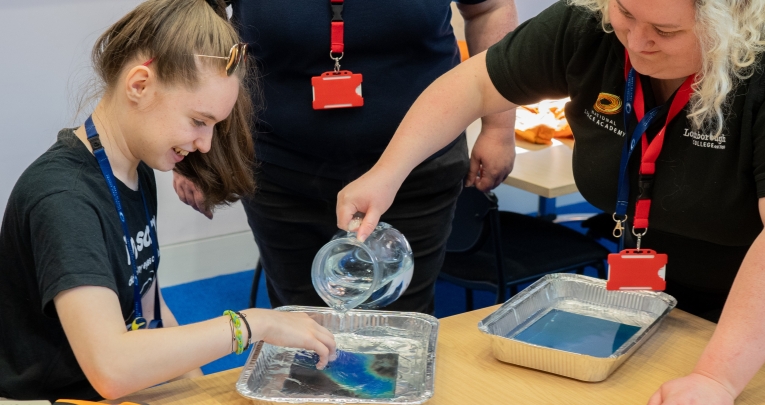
{"points": [[665, 95]]}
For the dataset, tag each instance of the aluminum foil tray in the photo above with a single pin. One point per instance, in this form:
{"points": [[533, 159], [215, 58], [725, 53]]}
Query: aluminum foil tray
{"points": [[579, 295], [411, 335]]}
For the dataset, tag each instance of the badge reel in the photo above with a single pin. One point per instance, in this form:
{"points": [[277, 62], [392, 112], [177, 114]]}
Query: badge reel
{"points": [[337, 89], [636, 269]]}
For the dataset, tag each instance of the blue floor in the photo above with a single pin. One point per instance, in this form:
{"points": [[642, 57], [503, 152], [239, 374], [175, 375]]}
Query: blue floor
{"points": [[205, 299]]}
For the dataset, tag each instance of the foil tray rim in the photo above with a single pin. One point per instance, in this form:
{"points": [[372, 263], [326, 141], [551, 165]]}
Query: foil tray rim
{"points": [[598, 368], [430, 370]]}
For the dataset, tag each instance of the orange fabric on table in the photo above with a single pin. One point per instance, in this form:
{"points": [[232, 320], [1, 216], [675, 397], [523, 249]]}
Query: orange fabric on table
{"points": [[539, 123]]}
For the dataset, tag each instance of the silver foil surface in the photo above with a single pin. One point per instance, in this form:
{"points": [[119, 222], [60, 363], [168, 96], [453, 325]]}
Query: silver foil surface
{"points": [[579, 295], [411, 335]]}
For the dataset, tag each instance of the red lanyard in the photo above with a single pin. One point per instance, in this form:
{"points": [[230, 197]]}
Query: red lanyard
{"points": [[338, 88], [651, 151], [625, 273], [337, 29]]}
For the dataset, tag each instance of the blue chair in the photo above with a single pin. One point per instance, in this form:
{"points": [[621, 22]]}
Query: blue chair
{"points": [[494, 250], [255, 285]]}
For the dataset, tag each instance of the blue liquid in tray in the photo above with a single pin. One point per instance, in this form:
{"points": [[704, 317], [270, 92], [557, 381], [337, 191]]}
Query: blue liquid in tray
{"points": [[354, 375], [577, 333]]}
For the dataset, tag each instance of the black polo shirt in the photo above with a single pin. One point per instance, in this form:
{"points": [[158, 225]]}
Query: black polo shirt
{"points": [[704, 211], [399, 46]]}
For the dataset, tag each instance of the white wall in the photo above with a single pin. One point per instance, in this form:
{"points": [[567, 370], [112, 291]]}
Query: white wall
{"points": [[44, 66], [530, 8], [43, 60]]}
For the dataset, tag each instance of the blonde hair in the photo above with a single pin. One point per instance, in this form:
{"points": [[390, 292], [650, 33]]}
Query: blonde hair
{"points": [[170, 33], [732, 37]]}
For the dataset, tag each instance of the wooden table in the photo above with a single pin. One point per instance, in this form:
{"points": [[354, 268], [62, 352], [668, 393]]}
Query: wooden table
{"points": [[467, 373], [544, 170]]}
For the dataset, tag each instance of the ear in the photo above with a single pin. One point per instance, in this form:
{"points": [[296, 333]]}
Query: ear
{"points": [[139, 84]]}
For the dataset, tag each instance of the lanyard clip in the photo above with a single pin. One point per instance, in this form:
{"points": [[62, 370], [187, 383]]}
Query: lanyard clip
{"points": [[337, 11], [337, 60], [645, 186], [639, 236], [619, 228]]}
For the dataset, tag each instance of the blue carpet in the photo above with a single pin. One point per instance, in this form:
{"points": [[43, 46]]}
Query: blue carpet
{"points": [[204, 299]]}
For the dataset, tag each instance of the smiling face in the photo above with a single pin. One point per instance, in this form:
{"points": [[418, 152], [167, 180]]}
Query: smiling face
{"points": [[176, 120], [659, 36]]}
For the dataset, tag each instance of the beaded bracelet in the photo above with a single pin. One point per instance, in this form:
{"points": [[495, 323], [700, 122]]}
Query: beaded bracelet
{"points": [[236, 332]]}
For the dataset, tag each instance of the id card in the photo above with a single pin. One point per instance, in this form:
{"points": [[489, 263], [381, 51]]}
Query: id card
{"points": [[633, 269], [337, 90]]}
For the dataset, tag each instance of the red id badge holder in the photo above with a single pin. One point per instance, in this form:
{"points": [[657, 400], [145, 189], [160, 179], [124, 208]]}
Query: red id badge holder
{"points": [[633, 269], [341, 89]]}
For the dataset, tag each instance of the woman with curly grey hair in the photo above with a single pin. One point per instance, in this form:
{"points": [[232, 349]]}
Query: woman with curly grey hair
{"points": [[667, 112]]}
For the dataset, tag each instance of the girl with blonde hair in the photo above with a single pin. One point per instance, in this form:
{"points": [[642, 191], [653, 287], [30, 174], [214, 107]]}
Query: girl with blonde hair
{"points": [[81, 312], [667, 112]]}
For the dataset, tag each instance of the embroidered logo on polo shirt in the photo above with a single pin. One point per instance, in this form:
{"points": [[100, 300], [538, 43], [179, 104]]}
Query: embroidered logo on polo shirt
{"points": [[705, 140], [608, 104], [604, 121]]}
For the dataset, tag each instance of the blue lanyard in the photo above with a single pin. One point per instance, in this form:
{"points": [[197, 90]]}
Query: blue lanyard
{"points": [[629, 144], [106, 170]]}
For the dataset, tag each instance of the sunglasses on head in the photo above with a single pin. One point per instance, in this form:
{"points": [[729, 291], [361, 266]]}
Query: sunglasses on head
{"points": [[236, 55]]}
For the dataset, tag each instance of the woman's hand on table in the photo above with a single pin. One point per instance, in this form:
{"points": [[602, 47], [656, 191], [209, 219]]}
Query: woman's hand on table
{"points": [[292, 329], [692, 389], [189, 194], [492, 158]]}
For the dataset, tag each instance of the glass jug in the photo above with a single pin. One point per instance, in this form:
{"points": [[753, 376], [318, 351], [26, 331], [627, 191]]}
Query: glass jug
{"points": [[349, 274]]}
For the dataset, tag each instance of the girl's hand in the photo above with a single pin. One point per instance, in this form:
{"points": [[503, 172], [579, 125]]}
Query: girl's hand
{"points": [[371, 194], [292, 329], [693, 389], [189, 194]]}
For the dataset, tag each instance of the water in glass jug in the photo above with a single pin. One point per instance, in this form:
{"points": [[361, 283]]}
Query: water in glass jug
{"points": [[347, 273]]}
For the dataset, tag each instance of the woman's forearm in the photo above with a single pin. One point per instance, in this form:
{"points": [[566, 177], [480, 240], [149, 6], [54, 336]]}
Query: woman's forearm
{"points": [[737, 349], [436, 118], [440, 114]]}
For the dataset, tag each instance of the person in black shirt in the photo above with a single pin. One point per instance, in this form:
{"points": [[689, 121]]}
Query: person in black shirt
{"points": [[306, 156], [72, 282], [707, 207]]}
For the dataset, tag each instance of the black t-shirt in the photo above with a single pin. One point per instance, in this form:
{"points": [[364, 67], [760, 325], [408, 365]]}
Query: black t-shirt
{"points": [[60, 231], [704, 211], [399, 46]]}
